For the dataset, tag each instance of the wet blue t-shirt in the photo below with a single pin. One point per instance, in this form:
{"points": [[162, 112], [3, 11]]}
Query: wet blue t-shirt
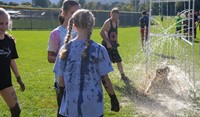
{"points": [[83, 95]]}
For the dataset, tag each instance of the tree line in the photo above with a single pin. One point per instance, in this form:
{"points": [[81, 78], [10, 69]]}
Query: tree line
{"points": [[133, 6]]}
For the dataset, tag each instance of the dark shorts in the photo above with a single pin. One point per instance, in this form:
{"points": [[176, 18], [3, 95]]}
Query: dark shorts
{"points": [[5, 83], [113, 52]]}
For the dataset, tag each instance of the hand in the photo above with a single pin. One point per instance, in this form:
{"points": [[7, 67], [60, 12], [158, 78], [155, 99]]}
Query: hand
{"points": [[109, 45], [22, 86], [114, 103], [118, 44]]}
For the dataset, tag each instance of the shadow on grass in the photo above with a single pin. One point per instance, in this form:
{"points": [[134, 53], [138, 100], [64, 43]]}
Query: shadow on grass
{"points": [[142, 100], [196, 41]]}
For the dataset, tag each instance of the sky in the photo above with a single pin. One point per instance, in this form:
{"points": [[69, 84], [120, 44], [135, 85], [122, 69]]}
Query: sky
{"points": [[55, 1], [109, 1], [16, 1]]}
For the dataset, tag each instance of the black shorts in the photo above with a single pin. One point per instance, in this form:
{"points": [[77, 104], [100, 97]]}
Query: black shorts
{"points": [[5, 83], [113, 52]]}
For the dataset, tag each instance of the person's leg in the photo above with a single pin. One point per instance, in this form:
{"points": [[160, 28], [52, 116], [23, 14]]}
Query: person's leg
{"points": [[146, 37], [121, 70], [59, 94], [142, 37], [59, 99], [120, 67], [10, 97], [117, 59]]}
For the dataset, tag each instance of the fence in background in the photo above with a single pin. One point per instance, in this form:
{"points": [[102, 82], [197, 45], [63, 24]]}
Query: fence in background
{"points": [[48, 19]]}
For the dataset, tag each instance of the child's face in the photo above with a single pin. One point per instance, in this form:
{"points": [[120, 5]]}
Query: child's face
{"points": [[68, 14], [3, 24], [115, 16]]}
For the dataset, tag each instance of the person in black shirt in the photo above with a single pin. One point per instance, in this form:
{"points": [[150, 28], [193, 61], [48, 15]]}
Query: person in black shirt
{"points": [[8, 54], [144, 23], [109, 33]]}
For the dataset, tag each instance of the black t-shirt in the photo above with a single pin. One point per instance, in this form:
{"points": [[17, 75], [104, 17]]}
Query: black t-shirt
{"points": [[7, 53]]}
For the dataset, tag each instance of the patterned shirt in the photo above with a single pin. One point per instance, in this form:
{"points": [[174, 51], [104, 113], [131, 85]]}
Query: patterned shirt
{"points": [[56, 40], [83, 95]]}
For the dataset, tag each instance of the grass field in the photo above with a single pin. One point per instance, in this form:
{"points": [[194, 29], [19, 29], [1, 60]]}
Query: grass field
{"points": [[39, 99]]}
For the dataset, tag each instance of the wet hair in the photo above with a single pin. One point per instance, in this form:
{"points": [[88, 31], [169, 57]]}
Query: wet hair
{"points": [[4, 12], [67, 4], [115, 10], [144, 12], [83, 19]]}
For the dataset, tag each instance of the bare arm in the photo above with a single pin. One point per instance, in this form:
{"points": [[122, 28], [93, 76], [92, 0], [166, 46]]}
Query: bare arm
{"points": [[51, 57], [61, 82], [118, 21], [107, 84], [14, 68], [103, 31]]}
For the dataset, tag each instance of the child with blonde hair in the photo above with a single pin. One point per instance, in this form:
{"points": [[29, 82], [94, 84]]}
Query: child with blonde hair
{"points": [[82, 66], [8, 54], [56, 40]]}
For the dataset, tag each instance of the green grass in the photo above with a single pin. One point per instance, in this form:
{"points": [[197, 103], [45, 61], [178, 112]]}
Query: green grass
{"points": [[39, 98]]}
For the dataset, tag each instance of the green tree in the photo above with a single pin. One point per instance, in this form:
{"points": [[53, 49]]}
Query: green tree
{"points": [[105, 7], [13, 4], [53, 6], [60, 2], [98, 5], [41, 3], [135, 4], [26, 4], [91, 6], [82, 3]]}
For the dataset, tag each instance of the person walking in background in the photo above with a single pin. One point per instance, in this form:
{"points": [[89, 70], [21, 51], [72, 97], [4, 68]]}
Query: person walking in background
{"points": [[144, 23], [82, 66], [109, 34], [178, 22], [8, 54], [56, 40], [185, 24]]}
